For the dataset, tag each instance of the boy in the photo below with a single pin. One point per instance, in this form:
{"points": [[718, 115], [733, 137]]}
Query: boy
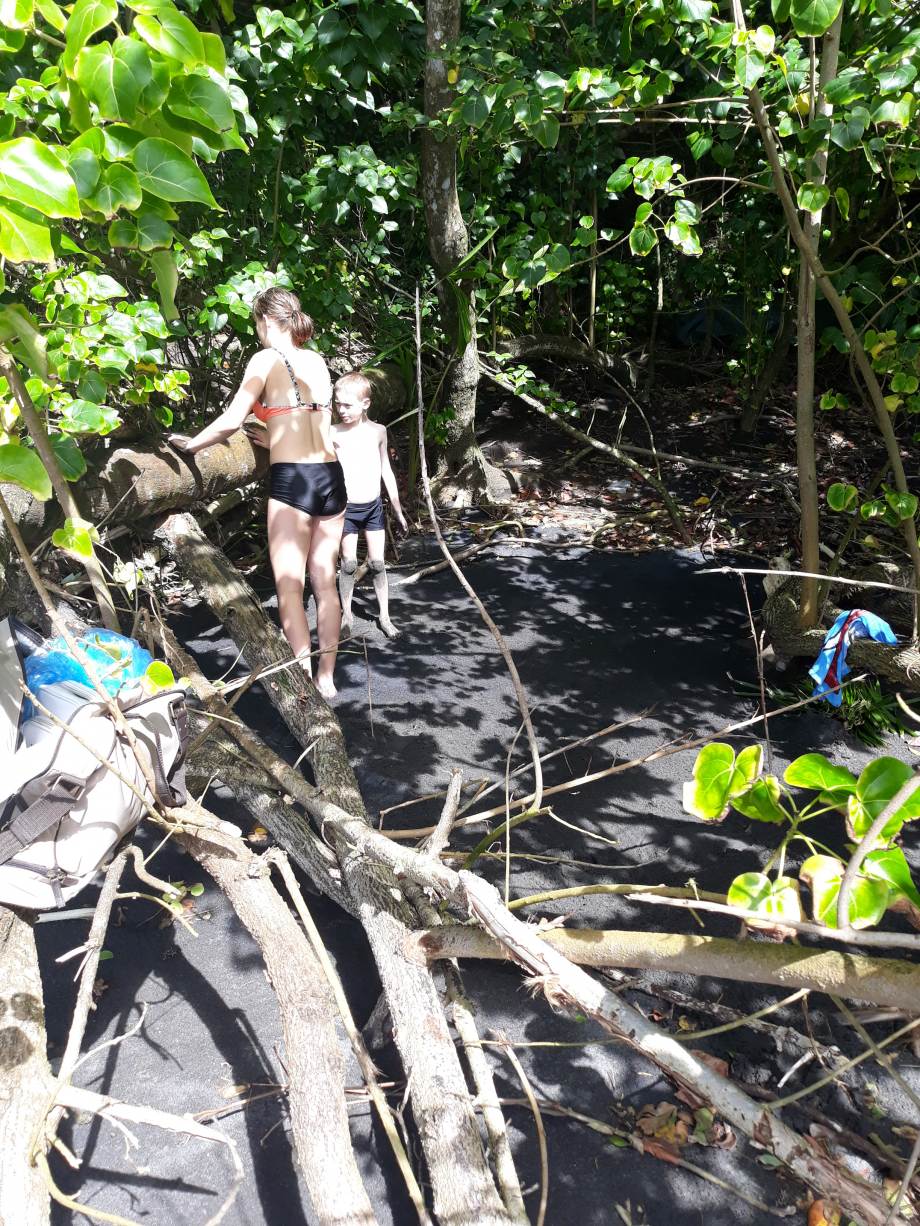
{"points": [[361, 446]]}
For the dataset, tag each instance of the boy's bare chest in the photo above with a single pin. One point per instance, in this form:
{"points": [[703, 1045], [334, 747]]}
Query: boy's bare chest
{"points": [[358, 448]]}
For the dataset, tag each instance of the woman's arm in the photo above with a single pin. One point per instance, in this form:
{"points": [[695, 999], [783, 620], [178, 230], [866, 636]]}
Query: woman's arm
{"points": [[232, 418], [389, 480]]}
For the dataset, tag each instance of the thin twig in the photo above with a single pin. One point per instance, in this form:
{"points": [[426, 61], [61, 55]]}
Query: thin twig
{"points": [[370, 702], [758, 649], [541, 1131], [437, 841], [805, 574]]}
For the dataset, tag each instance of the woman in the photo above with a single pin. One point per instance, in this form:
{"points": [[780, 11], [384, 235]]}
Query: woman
{"points": [[290, 391]]}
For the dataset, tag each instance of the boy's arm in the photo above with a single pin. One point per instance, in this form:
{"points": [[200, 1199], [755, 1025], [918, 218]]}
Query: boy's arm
{"points": [[389, 480]]}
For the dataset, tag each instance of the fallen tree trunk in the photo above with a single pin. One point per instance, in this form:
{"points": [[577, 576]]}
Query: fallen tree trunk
{"points": [[898, 662], [316, 1090], [147, 479], [25, 1078], [877, 981], [563, 349], [388, 390]]}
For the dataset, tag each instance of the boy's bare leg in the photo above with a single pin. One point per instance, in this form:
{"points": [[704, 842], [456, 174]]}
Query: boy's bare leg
{"points": [[347, 580], [324, 549], [376, 543], [290, 538]]}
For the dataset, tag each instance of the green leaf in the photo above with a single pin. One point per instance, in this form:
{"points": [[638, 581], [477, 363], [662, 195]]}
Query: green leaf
{"points": [[475, 111], [688, 211], [546, 131], [642, 240], [74, 538], [889, 865], [119, 188], [812, 18], [777, 899], [92, 387], [84, 417], [813, 770], [700, 143], [878, 784], [724, 154], [83, 167], [780, 9], [621, 178], [196, 890], [761, 801], [707, 795], [54, 16], [148, 318], [122, 233], [841, 498], [849, 133], [15, 14], [214, 55], [642, 213], [160, 675], [119, 141], [163, 263], [22, 467], [813, 196], [24, 235], [903, 505], [172, 34], [165, 171], [202, 101], [17, 322], [749, 63], [114, 76], [868, 897], [693, 10], [32, 175], [153, 231], [105, 955], [86, 19], [154, 92], [848, 86], [842, 196], [68, 455]]}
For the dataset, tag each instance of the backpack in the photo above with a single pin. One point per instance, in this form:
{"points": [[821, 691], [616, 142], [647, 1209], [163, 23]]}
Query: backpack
{"points": [[61, 810]]}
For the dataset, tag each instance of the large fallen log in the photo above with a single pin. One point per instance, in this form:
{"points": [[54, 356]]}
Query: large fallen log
{"points": [[141, 481], [563, 349], [877, 981], [25, 1078]]}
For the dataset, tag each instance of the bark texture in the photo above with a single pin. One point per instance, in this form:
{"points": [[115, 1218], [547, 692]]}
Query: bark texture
{"points": [[25, 1078], [564, 349], [388, 390], [462, 468], [305, 711], [316, 1093], [889, 982]]}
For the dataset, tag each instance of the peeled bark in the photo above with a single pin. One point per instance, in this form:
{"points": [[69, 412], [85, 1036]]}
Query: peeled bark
{"points": [[316, 1092], [890, 982], [25, 1077], [143, 481], [462, 468]]}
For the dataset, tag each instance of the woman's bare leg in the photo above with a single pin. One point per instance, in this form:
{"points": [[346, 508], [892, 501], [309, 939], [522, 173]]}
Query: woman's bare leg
{"points": [[323, 552], [290, 535]]}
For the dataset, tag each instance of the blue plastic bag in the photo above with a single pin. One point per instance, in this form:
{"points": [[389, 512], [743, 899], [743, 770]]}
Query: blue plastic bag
{"points": [[119, 661]]}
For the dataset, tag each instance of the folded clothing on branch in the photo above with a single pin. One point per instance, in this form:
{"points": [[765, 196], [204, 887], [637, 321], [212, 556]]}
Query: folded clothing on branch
{"points": [[831, 666]]}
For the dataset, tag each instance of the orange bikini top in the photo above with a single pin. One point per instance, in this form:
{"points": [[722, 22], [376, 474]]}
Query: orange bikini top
{"points": [[264, 412]]}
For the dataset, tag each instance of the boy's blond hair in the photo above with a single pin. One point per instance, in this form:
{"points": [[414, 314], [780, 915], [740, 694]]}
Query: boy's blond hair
{"points": [[356, 382]]}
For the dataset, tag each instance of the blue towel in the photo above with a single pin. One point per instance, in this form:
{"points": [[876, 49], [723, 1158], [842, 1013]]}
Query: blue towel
{"points": [[831, 666]]}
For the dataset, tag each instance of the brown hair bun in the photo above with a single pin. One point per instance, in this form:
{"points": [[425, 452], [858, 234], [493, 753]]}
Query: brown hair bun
{"points": [[284, 308]]}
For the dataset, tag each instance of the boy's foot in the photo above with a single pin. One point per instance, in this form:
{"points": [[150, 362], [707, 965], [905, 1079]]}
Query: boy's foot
{"points": [[388, 628], [348, 625], [326, 687]]}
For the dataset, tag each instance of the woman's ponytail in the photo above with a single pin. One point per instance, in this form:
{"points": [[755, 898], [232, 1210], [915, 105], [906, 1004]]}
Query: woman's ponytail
{"points": [[284, 308]]}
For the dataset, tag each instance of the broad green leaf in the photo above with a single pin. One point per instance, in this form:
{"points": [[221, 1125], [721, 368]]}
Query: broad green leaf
{"points": [[155, 91], [777, 899], [764, 39], [84, 417], [693, 10], [163, 263], [780, 9], [748, 766], [15, 14], [749, 63], [24, 235], [842, 497], [899, 113], [642, 240], [68, 456], [119, 141], [642, 212], [812, 18], [148, 318], [92, 387], [723, 153], [172, 34], [83, 167], [54, 16], [849, 133], [22, 467], [114, 76], [214, 55], [31, 174], [158, 676], [621, 178], [196, 890], [842, 196], [878, 784], [165, 171], [813, 196], [688, 211], [889, 865], [122, 233], [153, 231], [475, 111], [707, 795], [557, 258], [903, 505], [16, 322], [813, 770], [202, 101], [761, 801], [897, 78], [546, 131], [93, 139], [86, 19], [868, 897], [850, 85], [74, 538], [119, 188]]}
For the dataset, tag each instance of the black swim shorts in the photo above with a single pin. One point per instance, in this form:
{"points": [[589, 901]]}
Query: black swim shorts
{"points": [[316, 489], [366, 516]]}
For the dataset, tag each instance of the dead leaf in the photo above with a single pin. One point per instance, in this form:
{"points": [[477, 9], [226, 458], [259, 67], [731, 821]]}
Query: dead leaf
{"points": [[258, 834], [664, 1150], [713, 1062], [233, 1091], [823, 1213], [99, 986]]}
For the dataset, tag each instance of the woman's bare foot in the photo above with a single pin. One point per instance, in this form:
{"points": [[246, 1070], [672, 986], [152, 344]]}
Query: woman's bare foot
{"points": [[388, 628], [326, 687]]}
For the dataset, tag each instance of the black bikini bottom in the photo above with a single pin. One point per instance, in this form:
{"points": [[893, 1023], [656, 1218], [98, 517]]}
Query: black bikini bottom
{"points": [[316, 489]]}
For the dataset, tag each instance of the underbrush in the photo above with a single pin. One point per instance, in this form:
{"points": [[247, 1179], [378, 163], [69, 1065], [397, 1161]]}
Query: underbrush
{"points": [[866, 709]]}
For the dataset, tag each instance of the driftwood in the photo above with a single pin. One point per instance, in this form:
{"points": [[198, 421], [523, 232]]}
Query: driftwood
{"points": [[878, 981], [25, 1078], [563, 349], [899, 662]]}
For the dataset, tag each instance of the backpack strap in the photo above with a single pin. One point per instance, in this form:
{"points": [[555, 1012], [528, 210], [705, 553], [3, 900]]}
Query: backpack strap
{"points": [[51, 807], [171, 785], [54, 876]]}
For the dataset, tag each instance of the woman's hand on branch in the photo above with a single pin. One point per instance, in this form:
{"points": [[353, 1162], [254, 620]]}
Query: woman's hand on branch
{"points": [[179, 442], [257, 435]]}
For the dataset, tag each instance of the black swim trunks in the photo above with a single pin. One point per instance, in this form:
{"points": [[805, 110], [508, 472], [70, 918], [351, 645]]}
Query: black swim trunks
{"points": [[316, 489], [366, 516]]}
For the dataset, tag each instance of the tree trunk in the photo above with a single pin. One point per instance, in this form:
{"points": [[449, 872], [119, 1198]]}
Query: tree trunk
{"points": [[886, 982], [25, 1078], [805, 407], [316, 1093], [564, 349], [462, 468], [750, 413]]}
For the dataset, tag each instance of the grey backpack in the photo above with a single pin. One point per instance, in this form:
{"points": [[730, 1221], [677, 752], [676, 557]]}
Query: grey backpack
{"points": [[61, 810]]}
